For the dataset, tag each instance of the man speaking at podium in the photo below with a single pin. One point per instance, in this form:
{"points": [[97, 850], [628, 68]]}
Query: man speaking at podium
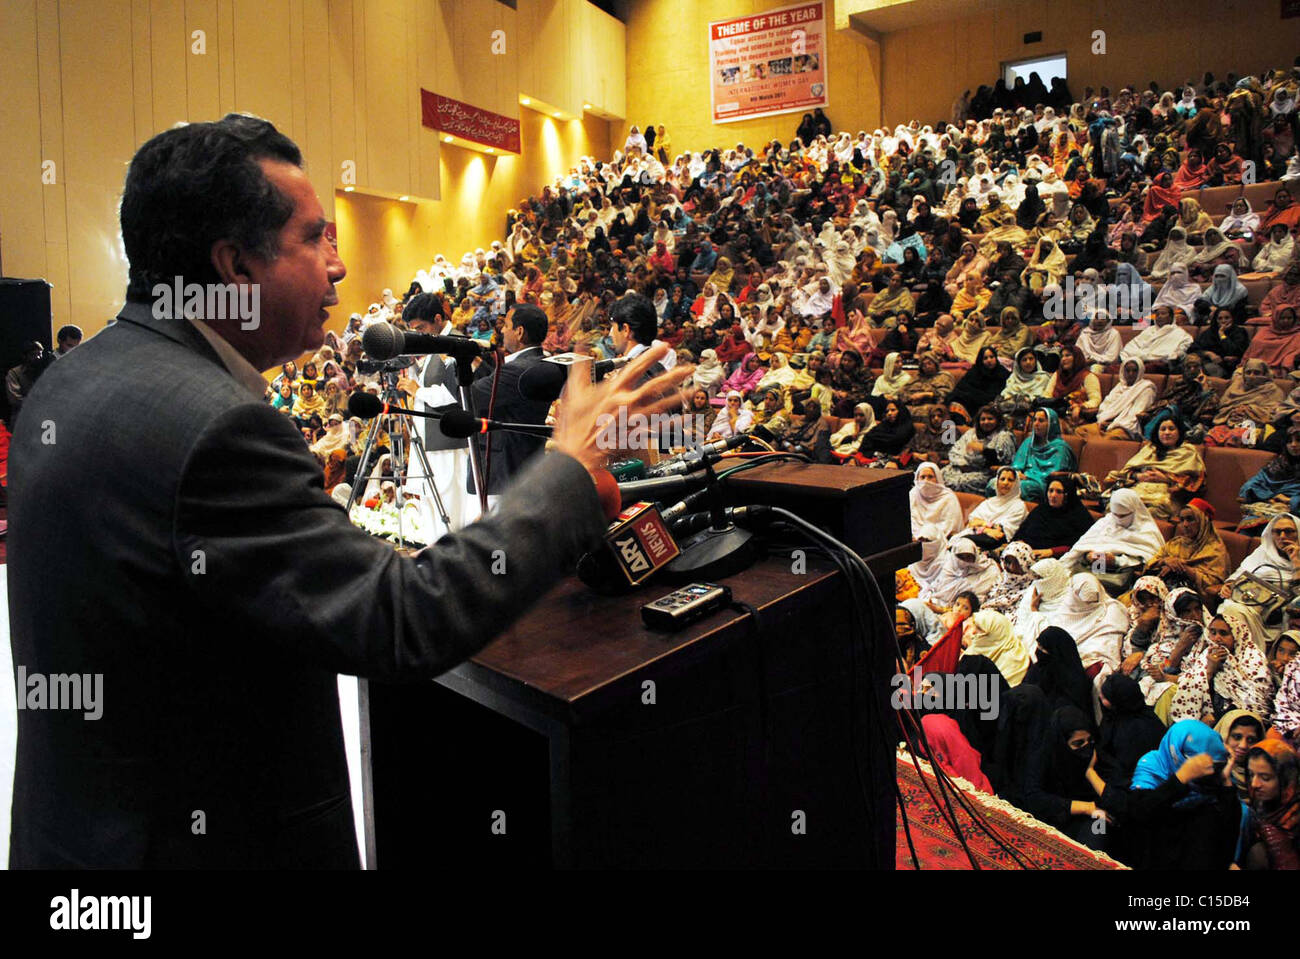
{"points": [[216, 588]]}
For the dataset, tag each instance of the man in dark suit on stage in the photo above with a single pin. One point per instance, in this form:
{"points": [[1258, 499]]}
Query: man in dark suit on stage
{"points": [[499, 398], [213, 590]]}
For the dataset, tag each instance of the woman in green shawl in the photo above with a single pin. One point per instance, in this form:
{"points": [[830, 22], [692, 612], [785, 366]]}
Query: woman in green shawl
{"points": [[1041, 454]]}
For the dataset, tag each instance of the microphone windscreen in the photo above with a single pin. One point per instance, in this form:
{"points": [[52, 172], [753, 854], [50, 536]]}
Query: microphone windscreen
{"points": [[543, 382], [382, 341], [365, 405], [458, 424]]}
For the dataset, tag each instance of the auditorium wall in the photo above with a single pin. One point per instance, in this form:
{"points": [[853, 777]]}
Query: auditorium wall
{"points": [[668, 75], [918, 72], [384, 242], [927, 67], [87, 81]]}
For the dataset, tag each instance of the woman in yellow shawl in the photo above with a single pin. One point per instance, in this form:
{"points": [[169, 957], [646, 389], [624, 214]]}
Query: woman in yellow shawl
{"points": [[1012, 336], [1045, 267], [1195, 555], [1164, 463], [1192, 218], [721, 275], [310, 403], [972, 297], [989, 633], [966, 347]]}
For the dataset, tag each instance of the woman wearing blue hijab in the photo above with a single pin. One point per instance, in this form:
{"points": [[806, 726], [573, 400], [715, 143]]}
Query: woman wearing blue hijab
{"points": [[705, 259], [1041, 454]]}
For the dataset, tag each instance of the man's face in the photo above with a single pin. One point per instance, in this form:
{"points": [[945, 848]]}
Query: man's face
{"points": [[620, 334], [511, 335], [297, 287], [68, 342]]}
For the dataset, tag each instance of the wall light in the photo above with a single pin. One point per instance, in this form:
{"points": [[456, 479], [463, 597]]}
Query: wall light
{"points": [[586, 106], [348, 189], [490, 150], [447, 139], [403, 199], [525, 101], [558, 116]]}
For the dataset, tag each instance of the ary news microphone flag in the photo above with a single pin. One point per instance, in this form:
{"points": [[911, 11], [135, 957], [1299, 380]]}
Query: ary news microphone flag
{"points": [[640, 542]]}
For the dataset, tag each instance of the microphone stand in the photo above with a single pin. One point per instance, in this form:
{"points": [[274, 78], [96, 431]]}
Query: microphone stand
{"points": [[465, 377], [722, 550]]}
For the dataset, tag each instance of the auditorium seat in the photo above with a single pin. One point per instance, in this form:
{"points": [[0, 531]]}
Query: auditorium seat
{"points": [[1256, 289], [1226, 470], [1239, 547], [1100, 456]]}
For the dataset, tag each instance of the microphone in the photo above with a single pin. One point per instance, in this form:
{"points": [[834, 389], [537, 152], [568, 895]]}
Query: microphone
{"points": [[367, 406], [661, 488], [600, 368], [704, 453], [637, 545], [458, 424], [383, 341]]}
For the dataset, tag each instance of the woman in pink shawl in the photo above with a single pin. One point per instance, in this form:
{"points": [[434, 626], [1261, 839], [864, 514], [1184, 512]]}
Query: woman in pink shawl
{"points": [[1277, 345], [746, 376], [855, 335], [1286, 293], [955, 755]]}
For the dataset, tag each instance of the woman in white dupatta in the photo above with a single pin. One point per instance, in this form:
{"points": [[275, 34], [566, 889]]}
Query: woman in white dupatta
{"points": [[926, 569], [999, 516], [892, 379], [1127, 536], [965, 567], [1175, 253], [1100, 342], [1097, 623], [1043, 602], [1130, 397], [1179, 291], [932, 503]]}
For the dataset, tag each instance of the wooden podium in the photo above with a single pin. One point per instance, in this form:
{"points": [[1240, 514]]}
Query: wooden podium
{"points": [[582, 739]]}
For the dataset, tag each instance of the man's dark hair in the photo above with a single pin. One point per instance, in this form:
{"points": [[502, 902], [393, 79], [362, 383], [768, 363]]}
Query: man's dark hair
{"points": [[637, 313], [193, 185], [532, 320], [69, 332], [429, 307]]}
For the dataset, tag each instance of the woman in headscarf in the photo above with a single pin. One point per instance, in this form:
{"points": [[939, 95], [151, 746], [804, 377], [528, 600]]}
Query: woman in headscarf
{"points": [[1275, 802], [1098, 624], [1195, 556], [1227, 292], [809, 436], [954, 754], [1059, 672], [309, 403], [709, 373], [1165, 463], [1182, 813], [1274, 560], [1129, 728], [844, 441], [1026, 384], [1217, 251], [1123, 541], [994, 522], [1221, 344], [1012, 335], [966, 346], [731, 419], [1130, 397], [1015, 579], [892, 432], [1277, 344], [746, 377], [891, 381], [930, 384], [969, 262], [1226, 672], [890, 301], [1191, 218], [1100, 342], [1281, 211], [932, 502], [965, 568], [1240, 730], [972, 297], [1251, 398], [1056, 789], [920, 577], [1042, 453], [1242, 223], [1277, 252], [989, 634], [1044, 601], [1176, 253], [1074, 390], [1046, 266], [1277, 485], [978, 451]]}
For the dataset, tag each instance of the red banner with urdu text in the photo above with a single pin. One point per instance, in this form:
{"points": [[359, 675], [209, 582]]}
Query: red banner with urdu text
{"points": [[470, 122]]}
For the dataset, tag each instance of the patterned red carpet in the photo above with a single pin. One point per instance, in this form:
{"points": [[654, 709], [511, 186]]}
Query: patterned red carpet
{"points": [[1040, 845]]}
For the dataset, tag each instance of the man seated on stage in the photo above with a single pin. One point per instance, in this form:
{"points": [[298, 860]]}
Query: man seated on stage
{"points": [[220, 589]]}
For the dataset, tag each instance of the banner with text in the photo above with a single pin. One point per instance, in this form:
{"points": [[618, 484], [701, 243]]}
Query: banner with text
{"points": [[463, 120], [767, 63]]}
